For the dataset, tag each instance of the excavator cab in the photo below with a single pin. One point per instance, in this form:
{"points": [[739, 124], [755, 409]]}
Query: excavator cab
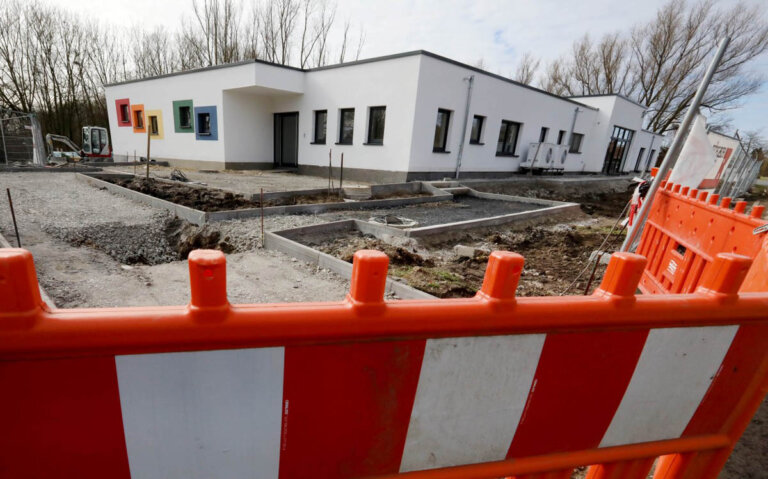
{"points": [[95, 143], [95, 146]]}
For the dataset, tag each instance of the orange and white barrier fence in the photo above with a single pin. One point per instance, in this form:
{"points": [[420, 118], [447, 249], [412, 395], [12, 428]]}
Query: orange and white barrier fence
{"points": [[487, 387], [685, 231]]}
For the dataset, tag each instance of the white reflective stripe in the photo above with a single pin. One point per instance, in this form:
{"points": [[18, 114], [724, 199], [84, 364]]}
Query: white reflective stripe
{"points": [[674, 371], [469, 400], [202, 414]]}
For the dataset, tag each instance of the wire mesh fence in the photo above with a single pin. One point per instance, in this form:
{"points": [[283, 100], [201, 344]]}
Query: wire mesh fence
{"points": [[21, 141]]}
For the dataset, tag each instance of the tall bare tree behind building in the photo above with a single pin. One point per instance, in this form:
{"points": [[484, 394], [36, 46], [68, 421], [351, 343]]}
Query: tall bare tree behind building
{"points": [[526, 69], [660, 63]]}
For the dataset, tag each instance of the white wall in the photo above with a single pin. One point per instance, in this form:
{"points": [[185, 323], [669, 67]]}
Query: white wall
{"points": [[617, 111], [204, 88], [248, 121], [442, 85], [391, 83]]}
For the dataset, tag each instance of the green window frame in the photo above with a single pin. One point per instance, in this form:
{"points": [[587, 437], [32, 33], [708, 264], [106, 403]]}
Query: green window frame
{"points": [[182, 108]]}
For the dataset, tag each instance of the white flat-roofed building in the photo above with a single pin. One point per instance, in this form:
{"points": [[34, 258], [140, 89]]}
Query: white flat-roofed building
{"points": [[395, 118]]}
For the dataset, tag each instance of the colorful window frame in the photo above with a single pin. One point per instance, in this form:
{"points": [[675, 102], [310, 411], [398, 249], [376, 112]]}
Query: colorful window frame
{"points": [[213, 132], [158, 114], [137, 111], [124, 115], [177, 125]]}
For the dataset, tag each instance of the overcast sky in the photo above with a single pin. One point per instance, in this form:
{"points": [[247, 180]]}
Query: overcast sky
{"points": [[498, 32]]}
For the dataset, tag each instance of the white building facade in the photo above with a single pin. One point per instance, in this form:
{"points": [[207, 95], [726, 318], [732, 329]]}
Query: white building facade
{"points": [[409, 116]]}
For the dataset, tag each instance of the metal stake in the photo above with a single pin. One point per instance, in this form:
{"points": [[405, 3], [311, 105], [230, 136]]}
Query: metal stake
{"points": [[13, 215], [674, 149], [261, 204], [341, 175]]}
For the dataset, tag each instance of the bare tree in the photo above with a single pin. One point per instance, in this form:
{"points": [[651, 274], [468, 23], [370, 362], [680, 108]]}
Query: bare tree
{"points": [[154, 53], [212, 35], [660, 63], [526, 68]]}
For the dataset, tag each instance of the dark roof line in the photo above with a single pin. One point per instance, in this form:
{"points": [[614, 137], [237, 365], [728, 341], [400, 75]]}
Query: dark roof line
{"points": [[610, 94], [359, 62]]}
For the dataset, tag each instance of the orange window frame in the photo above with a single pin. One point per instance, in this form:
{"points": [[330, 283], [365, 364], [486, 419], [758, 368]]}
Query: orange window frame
{"points": [[140, 109]]}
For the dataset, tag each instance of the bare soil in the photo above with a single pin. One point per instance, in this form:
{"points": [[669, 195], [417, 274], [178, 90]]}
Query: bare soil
{"points": [[599, 203], [555, 255], [203, 199]]}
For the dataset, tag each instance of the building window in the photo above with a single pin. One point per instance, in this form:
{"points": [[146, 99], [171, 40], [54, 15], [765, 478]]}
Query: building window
{"points": [[477, 130], [507, 145], [185, 117], [123, 112], [204, 124], [441, 130], [138, 121], [321, 125], [639, 161], [346, 126], [543, 134], [560, 137], [576, 141], [154, 130], [376, 117]]}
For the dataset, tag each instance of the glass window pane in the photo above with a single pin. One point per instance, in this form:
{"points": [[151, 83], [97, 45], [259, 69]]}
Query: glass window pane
{"points": [[441, 130], [511, 141], [376, 133], [347, 126], [477, 129], [321, 120]]}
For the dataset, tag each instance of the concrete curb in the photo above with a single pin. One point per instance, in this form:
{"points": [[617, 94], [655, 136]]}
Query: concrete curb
{"points": [[192, 215], [275, 241], [201, 217], [80, 169]]}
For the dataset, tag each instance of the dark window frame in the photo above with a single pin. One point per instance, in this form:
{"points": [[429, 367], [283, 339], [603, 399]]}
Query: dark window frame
{"points": [[188, 125], [560, 137], [138, 121], [479, 139], [372, 141], [444, 139], [154, 125], [125, 113], [201, 123], [543, 134], [574, 135], [505, 127], [316, 140], [342, 113]]}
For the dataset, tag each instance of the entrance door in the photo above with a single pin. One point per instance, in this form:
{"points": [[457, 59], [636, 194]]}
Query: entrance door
{"points": [[617, 150], [287, 139]]}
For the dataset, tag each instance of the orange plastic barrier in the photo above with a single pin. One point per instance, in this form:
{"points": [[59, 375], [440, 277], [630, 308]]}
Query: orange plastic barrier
{"points": [[487, 387], [687, 229]]}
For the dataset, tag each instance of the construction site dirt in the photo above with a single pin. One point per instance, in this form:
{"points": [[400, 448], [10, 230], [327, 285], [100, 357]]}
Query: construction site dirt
{"points": [[93, 248], [453, 266]]}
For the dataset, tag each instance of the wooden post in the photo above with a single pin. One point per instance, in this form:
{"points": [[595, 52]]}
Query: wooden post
{"points": [[149, 137], [330, 152], [261, 204], [341, 176]]}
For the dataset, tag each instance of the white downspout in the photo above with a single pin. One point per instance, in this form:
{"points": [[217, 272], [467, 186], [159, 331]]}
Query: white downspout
{"points": [[471, 80]]}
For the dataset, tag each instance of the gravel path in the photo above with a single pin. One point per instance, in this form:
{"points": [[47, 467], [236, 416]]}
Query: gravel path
{"points": [[85, 240]]}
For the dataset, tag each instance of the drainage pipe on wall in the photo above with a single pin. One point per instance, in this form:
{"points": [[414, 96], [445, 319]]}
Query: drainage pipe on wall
{"points": [[470, 79]]}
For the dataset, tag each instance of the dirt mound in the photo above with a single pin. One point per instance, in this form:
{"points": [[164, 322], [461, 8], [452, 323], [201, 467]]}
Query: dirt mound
{"points": [[199, 198], [185, 237]]}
